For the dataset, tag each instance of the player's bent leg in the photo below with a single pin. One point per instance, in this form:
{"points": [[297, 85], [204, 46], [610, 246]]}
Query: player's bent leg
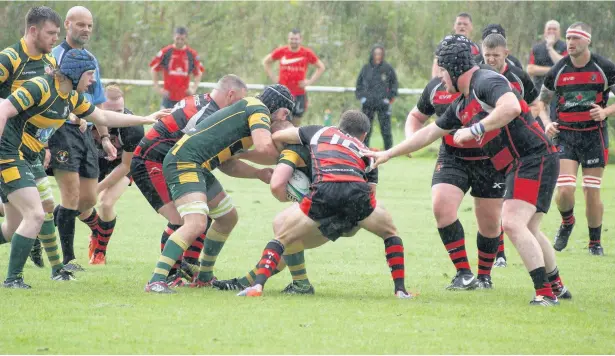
{"points": [[488, 213], [107, 219], [295, 227], [516, 217], [594, 208], [380, 223], [564, 198], [66, 212], [27, 202], [557, 285], [193, 209]]}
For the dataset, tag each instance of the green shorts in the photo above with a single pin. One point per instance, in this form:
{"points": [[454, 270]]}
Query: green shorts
{"points": [[14, 176], [37, 166], [188, 177]]}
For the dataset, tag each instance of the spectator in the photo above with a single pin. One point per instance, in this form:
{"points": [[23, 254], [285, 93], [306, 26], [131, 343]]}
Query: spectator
{"points": [[461, 26], [294, 60], [177, 62], [546, 53], [377, 89]]}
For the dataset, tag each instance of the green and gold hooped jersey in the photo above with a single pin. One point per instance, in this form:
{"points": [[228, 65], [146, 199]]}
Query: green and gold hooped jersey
{"points": [[222, 134], [298, 157], [42, 109], [17, 66]]}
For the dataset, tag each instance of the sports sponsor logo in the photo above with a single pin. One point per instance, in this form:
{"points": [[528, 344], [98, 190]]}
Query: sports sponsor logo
{"points": [[578, 98], [567, 79], [593, 161], [23, 98], [285, 61], [497, 185], [44, 84], [154, 170]]}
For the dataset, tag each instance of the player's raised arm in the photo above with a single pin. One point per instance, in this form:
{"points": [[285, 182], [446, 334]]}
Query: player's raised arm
{"points": [[116, 119]]}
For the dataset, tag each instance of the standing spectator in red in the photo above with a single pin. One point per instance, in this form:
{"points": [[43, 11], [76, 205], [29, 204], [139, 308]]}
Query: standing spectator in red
{"points": [[294, 60], [177, 62]]}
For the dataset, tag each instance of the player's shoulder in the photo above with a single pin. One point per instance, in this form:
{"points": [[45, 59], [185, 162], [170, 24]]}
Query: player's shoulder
{"points": [[192, 51], [602, 61], [433, 84], [12, 53], [253, 103], [517, 71], [484, 75], [538, 46]]}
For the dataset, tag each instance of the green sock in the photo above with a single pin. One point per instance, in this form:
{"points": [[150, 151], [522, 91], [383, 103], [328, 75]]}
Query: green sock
{"points": [[48, 238], [248, 279], [211, 248], [173, 249], [20, 250], [296, 266]]}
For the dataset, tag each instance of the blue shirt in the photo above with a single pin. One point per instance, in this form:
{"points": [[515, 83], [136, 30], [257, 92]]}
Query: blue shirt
{"points": [[96, 92]]}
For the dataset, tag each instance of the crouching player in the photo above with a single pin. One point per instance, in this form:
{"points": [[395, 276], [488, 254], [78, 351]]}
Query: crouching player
{"points": [[114, 176], [188, 173], [340, 197]]}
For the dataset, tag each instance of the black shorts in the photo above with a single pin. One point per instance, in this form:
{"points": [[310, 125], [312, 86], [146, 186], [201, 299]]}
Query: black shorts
{"points": [[106, 167], [480, 175], [338, 207], [301, 103], [533, 179], [589, 148], [74, 151], [168, 103]]}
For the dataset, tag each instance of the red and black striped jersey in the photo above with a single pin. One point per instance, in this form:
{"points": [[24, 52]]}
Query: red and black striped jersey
{"points": [[521, 137], [521, 81], [336, 156], [159, 139], [578, 88]]}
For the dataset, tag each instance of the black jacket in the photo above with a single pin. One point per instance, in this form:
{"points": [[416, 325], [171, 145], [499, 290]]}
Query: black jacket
{"points": [[376, 82]]}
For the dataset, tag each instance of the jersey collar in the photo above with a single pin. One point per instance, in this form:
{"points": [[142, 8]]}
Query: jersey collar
{"points": [[25, 49]]}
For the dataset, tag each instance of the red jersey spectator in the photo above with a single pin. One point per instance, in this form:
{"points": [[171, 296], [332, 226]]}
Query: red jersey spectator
{"points": [[294, 61], [177, 62]]}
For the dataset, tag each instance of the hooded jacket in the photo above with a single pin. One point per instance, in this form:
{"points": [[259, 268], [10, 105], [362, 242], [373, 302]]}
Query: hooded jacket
{"points": [[376, 82]]}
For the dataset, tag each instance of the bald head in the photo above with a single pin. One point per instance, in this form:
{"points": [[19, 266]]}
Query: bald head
{"points": [[229, 90], [552, 28], [78, 24]]}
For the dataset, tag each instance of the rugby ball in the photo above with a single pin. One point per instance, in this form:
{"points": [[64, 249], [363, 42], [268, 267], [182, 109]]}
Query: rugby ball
{"points": [[298, 186]]}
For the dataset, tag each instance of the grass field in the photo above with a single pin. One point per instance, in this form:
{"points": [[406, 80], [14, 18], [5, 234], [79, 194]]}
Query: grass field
{"points": [[353, 312]]}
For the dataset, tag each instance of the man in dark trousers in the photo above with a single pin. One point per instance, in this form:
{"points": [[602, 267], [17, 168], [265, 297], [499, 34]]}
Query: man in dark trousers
{"points": [[377, 89]]}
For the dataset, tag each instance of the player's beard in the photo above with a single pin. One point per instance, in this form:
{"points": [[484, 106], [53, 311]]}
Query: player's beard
{"points": [[41, 46]]}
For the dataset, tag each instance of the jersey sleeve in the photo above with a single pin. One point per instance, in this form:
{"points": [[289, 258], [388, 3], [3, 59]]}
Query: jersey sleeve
{"points": [[312, 58], [156, 61], [549, 79], [198, 65], [81, 106], [532, 58], [307, 132], [424, 104], [6, 66], [449, 120], [277, 53], [531, 93], [258, 117], [491, 88], [26, 96], [290, 156], [130, 137]]}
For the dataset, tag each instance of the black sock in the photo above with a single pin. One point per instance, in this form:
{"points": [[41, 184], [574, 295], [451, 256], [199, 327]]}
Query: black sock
{"points": [[394, 251], [594, 235], [568, 217], [65, 221], [487, 250], [453, 239], [501, 252], [269, 261]]}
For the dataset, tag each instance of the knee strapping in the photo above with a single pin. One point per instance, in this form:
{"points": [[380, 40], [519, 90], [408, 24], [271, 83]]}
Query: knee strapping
{"points": [[44, 189], [566, 180], [195, 207], [592, 182], [224, 207]]}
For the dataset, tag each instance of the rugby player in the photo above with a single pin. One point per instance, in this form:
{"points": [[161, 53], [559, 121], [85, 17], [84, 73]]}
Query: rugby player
{"points": [[114, 175], [582, 81], [27, 59], [458, 170], [340, 198], [188, 167], [74, 154], [146, 167], [489, 114], [27, 119], [498, 29]]}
